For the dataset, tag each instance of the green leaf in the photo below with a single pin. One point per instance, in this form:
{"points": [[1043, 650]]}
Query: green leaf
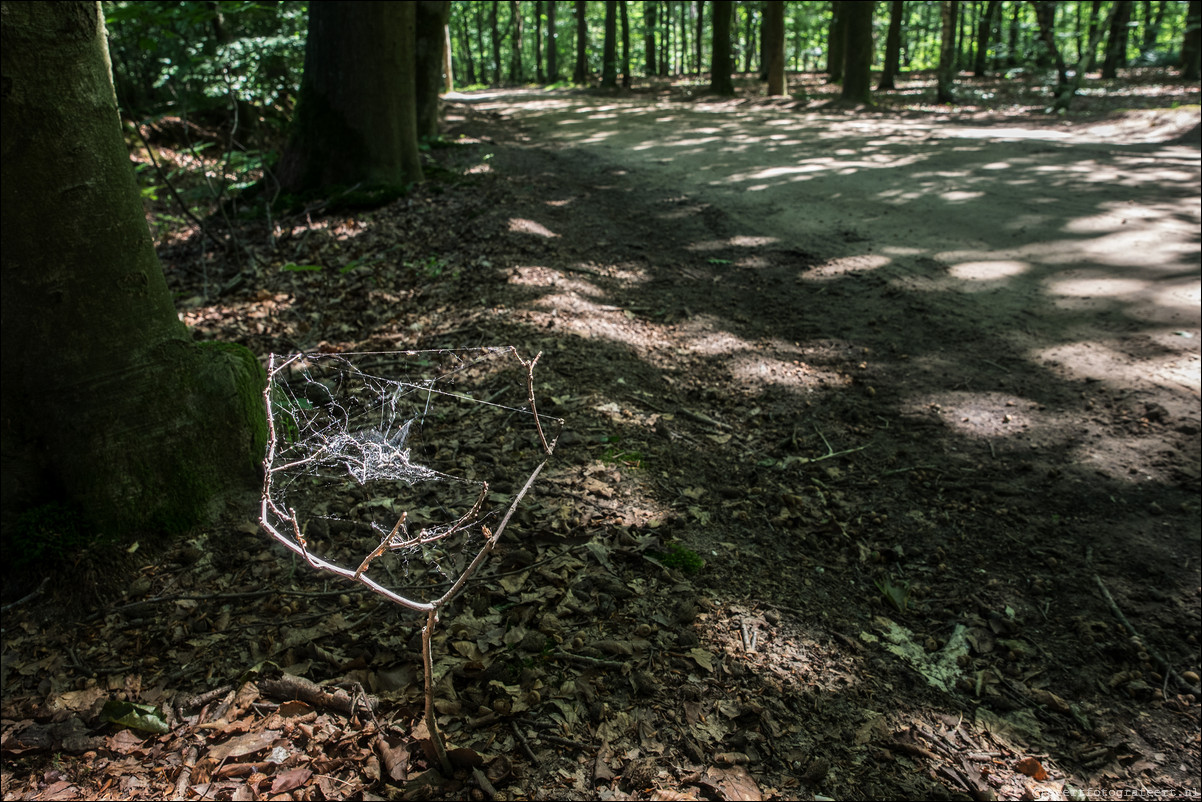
{"points": [[135, 716], [293, 267]]}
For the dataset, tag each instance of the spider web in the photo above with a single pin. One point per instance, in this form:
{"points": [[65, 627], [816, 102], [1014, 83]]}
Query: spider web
{"points": [[396, 462]]}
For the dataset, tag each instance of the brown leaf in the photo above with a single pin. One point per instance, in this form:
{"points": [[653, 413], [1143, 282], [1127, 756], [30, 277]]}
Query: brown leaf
{"points": [[1032, 768], [244, 745], [293, 778]]}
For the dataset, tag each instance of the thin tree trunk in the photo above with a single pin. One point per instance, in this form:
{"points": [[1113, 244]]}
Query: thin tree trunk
{"points": [[835, 41], [609, 47], [892, 45], [985, 37], [580, 74], [430, 37], [625, 18], [857, 52], [552, 44], [650, 15], [1191, 43], [517, 73], [1116, 45], [539, 76], [699, 41], [1045, 15], [947, 52], [773, 40], [720, 66]]}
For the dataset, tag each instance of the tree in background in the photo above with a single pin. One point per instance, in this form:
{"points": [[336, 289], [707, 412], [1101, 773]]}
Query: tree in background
{"points": [[720, 62], [773, 41], [650, 12], [609, 48], [552, 44], [1191, 43], [946, 78], [625, 18], [892, 45], [580, 74], [429, 44], [516, 71], [857, 52], [985, 27], [356, 122], [836, 39], [1116, 41], [109, 407]]}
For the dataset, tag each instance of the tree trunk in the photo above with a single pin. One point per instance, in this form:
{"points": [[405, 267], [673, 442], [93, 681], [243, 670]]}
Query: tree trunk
{"points": [[356, 122], [625, 18], [466, 36], [539, 75], [580, 74], [980, 66], [494, 31], [1045, 16], [517, 73], [947, 52], [1191, 43], [836, 38], [1068, 90], [430, 38], [448, 74], [720, 66], [609, 48], [1116, 45], [892, 45], [773, 39], [109, 408], [699, 39], [552, 44], [857, 52], [650, 13]]}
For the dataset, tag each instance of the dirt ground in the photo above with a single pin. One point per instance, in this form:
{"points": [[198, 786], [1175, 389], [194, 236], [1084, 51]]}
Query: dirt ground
{"points": [[880, 474]]}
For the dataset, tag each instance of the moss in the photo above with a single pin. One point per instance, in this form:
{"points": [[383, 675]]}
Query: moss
{"points": [[682, 559]]}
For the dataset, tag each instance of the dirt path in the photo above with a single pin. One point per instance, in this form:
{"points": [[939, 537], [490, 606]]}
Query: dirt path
{"points": [[868, 414]]}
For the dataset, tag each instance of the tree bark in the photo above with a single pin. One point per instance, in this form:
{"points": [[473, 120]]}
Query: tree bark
{"points": [[1045, 16], [108, 405], [516, 71], [429, 40], [773, 40], [857, 52], [720, 66], [650, 14], [897, 9], [699, 39], [1191, 43], [580, 74], [947, 52], [980, 67], [356, 122], [609, 48], [539, 75], [836, 37], [552, 44], [1116, 44], [625, 19]]}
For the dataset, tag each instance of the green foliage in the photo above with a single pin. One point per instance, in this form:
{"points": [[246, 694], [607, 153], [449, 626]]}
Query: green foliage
{"points": [[897, 594], [615, 454], [677, 556], [169, 54]]}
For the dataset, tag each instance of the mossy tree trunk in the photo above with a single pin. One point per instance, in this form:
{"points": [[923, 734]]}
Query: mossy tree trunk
{"points": [[430, 43], [108, 406], [946, 76], [356, 120]]}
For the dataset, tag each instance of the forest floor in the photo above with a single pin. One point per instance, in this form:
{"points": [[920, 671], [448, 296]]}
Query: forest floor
{"points": [[879, 479]]}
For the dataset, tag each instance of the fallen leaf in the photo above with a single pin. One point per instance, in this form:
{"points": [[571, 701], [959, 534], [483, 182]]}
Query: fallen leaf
{"points": [[1032, 768]]}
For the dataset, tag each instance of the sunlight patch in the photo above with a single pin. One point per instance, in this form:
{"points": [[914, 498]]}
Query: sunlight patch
{"points": [[1110, 363], [988, 271], [848, 264], [982, 414], [1093, 285], [521, 225]]}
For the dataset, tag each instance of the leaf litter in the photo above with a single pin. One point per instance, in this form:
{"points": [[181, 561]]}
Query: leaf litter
{"points": [[580, 665]]}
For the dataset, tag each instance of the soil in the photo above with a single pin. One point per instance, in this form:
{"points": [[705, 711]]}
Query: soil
{"points": [[880, 475]]}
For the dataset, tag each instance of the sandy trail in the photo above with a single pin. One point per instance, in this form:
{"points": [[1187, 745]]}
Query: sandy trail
{"points": [[1092, 226]]}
